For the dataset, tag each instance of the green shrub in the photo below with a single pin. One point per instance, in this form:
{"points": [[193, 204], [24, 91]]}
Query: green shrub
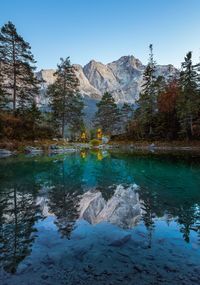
{"points": [[95, 142]]}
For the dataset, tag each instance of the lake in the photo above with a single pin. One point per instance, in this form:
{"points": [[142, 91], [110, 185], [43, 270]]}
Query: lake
{"points": [[100, 217]]}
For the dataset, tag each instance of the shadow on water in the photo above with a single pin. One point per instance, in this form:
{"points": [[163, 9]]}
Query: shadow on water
{"points": [[41, 230]]}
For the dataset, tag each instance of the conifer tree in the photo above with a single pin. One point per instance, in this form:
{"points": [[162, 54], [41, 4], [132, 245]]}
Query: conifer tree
{"points": [[147, 101], [66, 102], [126, 114], [107, 115], [3, 94], [18, 63], [167, 123], [189, 99]]}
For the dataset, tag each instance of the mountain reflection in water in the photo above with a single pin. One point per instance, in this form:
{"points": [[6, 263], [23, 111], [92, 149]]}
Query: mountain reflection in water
{"points": [[116, 212], [122, 209]]}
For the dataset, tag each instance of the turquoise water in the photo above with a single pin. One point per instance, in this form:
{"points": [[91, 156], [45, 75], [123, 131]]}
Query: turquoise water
{"points": [[45, 240]]}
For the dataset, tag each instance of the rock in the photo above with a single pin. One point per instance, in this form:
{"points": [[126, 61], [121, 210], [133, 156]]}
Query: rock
{"points": [[5, 153], [170, 268], [194, 279], [105, 140], [120, 242], [138, 269], [86, 88], [152, 145], [44, 276], [33, 150], [53, 147]]}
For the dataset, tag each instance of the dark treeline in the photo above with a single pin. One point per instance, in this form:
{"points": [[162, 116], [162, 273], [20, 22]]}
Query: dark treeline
{"points": [[168, 107]]}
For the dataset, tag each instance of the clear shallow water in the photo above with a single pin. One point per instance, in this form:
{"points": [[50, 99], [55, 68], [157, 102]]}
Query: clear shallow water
{"points": [[43, 240]]}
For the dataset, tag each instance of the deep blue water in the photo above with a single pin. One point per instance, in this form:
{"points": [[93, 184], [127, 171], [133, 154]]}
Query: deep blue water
{"points": [[43, 239]]}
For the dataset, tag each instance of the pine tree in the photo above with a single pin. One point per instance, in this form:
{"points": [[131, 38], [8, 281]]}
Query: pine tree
{"points": [[66, 102], [3, 93], [3, 98], [147, 101], [75, 110], [189, 100], [126, 114], [33, 118], [107, 115], [18, 63]]}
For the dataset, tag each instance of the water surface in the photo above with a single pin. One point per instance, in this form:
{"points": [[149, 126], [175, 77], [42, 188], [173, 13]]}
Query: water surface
{"points": [[44, 240]]}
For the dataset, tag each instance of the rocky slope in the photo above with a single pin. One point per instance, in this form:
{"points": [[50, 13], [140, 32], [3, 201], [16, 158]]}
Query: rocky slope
{"points": [[123, 78]]}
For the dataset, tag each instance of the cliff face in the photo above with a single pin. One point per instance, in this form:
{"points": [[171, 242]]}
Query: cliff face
{"points": [[123, 78]]}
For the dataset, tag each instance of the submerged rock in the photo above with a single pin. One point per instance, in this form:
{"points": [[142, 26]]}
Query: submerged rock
{"points": [[121, 241], [122, 209]]}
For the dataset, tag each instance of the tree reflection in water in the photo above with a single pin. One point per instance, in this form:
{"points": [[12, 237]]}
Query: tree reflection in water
{"points": [[148, 215], [186, 214], [63, 199], [64, 205], [168, 190], [18, 215]]}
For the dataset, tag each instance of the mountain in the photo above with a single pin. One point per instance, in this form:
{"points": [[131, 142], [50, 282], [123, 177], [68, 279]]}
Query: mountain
{"points": [[123, 78], [123, 208]]}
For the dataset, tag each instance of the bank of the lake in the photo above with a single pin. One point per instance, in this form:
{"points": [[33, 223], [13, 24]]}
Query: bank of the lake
{"points": [[22, 146]]}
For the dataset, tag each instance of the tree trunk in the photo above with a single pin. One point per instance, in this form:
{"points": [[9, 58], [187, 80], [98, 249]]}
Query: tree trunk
{"points": [[14, 75], [191, 125], [63, 127], [150, 130]]}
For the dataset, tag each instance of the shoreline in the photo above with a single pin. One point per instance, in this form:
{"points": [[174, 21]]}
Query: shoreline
{"points": [[18, 147]]}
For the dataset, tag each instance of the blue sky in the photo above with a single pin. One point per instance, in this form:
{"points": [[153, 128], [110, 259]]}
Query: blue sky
{"points": [[105, 30]]}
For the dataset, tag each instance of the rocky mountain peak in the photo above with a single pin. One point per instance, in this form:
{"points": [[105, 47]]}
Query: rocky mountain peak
{"points": [[128, 60], [46, 75], [123, 78], [100, 76]]}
